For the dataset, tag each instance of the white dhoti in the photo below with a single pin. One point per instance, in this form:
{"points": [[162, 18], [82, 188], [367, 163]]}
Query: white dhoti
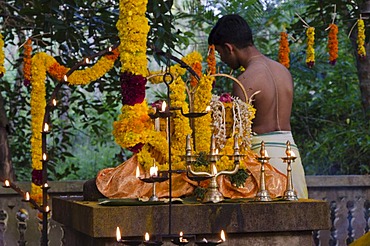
{"points": [[275, 145]]}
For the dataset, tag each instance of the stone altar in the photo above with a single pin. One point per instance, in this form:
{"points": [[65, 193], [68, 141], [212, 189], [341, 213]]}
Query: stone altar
{"points": [[245, 223]]}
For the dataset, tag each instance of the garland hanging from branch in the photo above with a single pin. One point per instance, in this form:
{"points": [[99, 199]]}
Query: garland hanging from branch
{"points": [[284, 50]]}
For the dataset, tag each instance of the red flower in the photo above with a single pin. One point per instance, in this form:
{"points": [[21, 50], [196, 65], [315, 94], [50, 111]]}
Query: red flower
{"points": [[132, 88], [226, 98], [136, 148], [37, 177]]}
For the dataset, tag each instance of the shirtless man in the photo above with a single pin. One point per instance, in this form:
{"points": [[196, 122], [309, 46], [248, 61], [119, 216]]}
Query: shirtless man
{"points": [[271, 86]]}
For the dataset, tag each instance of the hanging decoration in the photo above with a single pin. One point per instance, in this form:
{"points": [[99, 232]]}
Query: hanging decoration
{"points": [[284, 50], [2, 56], [310, 51], [27, 64], [42, 64], [211, 60], [333, 43], [361, 51]]}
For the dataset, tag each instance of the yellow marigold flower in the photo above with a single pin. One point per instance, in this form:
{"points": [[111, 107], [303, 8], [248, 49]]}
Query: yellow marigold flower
{"points": [[361, 51], [2, 56], [310, 51]]}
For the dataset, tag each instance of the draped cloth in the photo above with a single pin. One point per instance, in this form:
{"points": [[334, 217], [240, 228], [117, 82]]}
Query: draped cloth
{"points": [[275, 145], [121, 182]]}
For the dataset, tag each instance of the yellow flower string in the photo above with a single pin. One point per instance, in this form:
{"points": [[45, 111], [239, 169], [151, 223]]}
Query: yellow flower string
{"points": [[361, 51], [42, 64], [2, 56], [27, 62], [284, 50], [333, 43], [310, 51]]}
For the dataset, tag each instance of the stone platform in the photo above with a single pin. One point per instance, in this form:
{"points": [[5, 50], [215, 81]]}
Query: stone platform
{"points": [[245, 223]]}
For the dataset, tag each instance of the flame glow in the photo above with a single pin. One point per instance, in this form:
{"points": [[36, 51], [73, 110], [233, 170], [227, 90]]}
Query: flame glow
{"points": [[164, 106], [223, 238], [7, 183], [147, 236], [118, 234]]}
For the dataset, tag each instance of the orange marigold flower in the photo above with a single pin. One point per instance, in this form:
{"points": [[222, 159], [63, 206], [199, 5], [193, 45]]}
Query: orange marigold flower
{"points": [[113, 55], [333, 44], [284, 50], [197, 67], [211, 60], [27, 64], [57, 71]]}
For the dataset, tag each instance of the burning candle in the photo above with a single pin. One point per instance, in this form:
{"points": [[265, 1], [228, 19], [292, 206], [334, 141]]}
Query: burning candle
{"points": [[65, 78], [146, 237], [118, 234], [157, 123], [47, 209], [110, 49], [137, 172], [44, 157], [223, 237], [46, 127], [27, 196], [87, 60], [54, 102], [164, 106], [153, 171], [7, 183]]}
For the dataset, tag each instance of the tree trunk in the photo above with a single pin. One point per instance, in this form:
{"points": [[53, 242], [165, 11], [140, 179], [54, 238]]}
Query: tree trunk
{"points": [[6, 167]]}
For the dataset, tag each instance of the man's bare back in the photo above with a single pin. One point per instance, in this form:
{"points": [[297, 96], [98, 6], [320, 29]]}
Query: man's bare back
{"points": [[273, 103]]}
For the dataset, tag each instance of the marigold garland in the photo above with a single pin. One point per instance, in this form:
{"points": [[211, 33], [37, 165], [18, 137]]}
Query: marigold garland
{"points": [[42, 64], [284, 50], [2, 56], [27, 62], [333, 43], [310, 51], [211, 60], [197, 67], [361, 51]]}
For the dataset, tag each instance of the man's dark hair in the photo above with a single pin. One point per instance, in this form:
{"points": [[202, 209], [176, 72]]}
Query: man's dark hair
{"points": [[231, 29]]}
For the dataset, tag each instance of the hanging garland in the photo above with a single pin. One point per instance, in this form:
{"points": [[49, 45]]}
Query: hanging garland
{"points": [[333, 43], [27, 62], [284, 50], [211, 60], [2, 56], [310, 51], [361, 51], [42, 64]]}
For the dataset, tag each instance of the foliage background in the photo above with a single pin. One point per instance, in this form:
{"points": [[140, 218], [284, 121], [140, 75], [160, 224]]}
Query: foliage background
{"points": [[329, 122]]}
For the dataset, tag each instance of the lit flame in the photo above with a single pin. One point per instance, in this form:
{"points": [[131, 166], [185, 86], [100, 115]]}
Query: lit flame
{"points": [[47, 209], [118, 234], [110, 49], [87, 60], [214, 169], [153, 171], [147, 236], [46, 127], [164, 106], [65, 78], [27, 196], [7, 183], [54, 102], [46, 185], [223, 238], [137, 172], [44, 157], [216, 152], [208, 108]]}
